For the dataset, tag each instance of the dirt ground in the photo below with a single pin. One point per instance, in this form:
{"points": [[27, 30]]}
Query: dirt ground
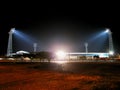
{"points": [[53, 76]]}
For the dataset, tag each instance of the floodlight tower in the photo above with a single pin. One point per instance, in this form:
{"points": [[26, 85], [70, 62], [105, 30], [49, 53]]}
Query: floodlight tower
{"points": [[111, 49], [86, 49], [35, 47], [9, 49]]}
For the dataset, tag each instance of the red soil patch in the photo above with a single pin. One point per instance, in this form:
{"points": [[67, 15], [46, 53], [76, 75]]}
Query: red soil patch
{"points": [[21, 77]]}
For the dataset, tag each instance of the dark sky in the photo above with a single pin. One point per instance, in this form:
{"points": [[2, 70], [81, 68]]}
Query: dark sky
{"points": [[58, 25]]}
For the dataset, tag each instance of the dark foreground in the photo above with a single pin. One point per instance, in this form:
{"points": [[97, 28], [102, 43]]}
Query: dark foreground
{"points": [[53, 76]]}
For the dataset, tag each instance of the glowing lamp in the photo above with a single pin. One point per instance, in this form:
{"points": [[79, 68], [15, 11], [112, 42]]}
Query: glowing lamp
{"points": [[107, 30], [111, 52], [60, 54]]}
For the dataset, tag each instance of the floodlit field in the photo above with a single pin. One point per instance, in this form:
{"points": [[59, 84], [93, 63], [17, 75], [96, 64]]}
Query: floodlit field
{"points": [[53, 76]]}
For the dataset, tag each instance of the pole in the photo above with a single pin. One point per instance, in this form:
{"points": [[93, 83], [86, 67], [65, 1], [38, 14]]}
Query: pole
{"points": [[9, 49], [35, 47], [111, 49], [86, 49]]}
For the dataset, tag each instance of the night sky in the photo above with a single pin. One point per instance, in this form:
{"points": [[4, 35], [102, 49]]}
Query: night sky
{"points": [[59, 26]]}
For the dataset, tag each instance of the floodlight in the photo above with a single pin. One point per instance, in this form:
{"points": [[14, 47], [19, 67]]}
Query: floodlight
{"points": [[111, 52], [60, 54], [12, 30], [61, 62], [107, 30]]}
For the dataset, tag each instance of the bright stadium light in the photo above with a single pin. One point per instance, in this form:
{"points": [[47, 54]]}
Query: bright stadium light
{"points": [[9, 49], [111, 52], [107, 30], [60, 55]]}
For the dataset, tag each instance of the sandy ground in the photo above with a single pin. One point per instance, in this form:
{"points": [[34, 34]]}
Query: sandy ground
{"points": [[53, 76]]}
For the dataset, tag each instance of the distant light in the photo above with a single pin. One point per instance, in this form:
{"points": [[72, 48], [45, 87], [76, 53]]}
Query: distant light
{"points": [[104, 55], [60, 54], [61, 62], [22, 52], [12, 30], [107, 30], [111, 52]]}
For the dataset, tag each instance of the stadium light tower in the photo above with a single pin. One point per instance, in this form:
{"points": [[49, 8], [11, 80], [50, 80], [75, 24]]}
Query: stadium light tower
{"points": [[111, 49], [35, 47], [86, 49], [9, 49]]}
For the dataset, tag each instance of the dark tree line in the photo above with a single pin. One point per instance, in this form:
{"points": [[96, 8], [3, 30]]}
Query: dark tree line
{"points": [[44, 55]]}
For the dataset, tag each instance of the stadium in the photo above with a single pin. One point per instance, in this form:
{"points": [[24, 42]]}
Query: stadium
{"points": [[61, 55]]}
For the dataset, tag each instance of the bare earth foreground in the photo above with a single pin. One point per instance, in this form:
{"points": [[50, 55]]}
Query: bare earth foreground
{"points": [[53, 76]]}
